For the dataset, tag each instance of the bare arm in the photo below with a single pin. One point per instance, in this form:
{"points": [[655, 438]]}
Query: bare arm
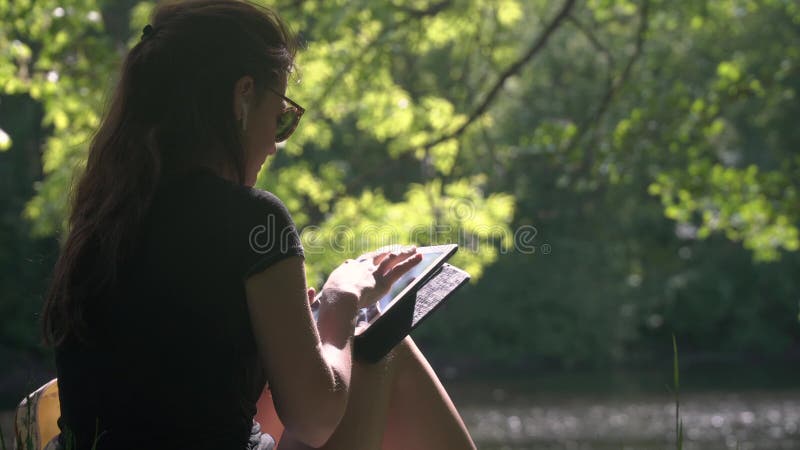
{"points": [[309, 364], [308, 370]]}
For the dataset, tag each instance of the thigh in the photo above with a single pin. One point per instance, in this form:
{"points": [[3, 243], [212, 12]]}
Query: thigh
{"points": [[365, 416], [266, 415], [421, 414]]}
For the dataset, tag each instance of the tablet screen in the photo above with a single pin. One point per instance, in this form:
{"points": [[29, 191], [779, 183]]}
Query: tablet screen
{"points": [[404, 281]]}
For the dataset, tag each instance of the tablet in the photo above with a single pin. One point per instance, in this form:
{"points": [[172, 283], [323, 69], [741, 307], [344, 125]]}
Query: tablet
{"points": [[407, 313], [412, 298], [432, 259]]}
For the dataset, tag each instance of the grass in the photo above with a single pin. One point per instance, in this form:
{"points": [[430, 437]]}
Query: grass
{"points": [[676, 380]]}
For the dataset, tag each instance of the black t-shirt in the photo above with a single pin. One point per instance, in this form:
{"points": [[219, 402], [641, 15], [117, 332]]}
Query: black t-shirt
{"points": [[178, 365]]}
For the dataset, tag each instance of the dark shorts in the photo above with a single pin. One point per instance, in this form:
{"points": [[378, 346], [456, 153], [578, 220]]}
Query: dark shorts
{"points": [[259, 440]]}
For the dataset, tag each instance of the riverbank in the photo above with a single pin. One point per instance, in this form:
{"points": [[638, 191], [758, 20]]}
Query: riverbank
{"points": [[23, 373]]}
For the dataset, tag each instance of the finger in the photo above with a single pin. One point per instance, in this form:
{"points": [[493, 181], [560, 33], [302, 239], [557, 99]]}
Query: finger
{"points": [[379, 257], [386, 263], [311, 294], [386, 250], [402, 267], [395, 257], [389, 248]]}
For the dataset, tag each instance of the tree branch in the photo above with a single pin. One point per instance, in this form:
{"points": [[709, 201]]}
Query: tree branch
{"points": [[592, 39], [384, 34], [538, 44], [613, 89]]}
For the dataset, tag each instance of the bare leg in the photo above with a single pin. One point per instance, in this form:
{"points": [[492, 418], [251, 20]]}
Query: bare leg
{"points": [[421, 415], [425, 418], [365, 417], [267, 417]]}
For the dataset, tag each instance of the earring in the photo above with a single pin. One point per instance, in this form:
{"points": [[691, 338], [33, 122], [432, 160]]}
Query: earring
{"points": [[245, 109]]}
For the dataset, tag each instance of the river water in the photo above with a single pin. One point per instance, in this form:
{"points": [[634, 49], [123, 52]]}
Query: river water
{"points": [[721, 410], [712, 421]]}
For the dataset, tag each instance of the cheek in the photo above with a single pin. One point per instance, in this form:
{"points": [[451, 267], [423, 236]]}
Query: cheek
{"points": [[269, 126], [262, 133], [266, 139]]}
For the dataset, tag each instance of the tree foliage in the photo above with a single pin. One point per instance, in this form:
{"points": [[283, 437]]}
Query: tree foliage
{"points": [[622, 132]]}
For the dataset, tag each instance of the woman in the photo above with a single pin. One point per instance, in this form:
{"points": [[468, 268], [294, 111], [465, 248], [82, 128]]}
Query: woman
{"points": [[180, 290]]}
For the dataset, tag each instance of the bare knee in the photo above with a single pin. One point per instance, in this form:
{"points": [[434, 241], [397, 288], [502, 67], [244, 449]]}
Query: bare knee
{"points": [[404, 349], [397, 362], [404, 355]]}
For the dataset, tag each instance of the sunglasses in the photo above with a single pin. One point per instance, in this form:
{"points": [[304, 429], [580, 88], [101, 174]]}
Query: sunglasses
{"points": [[288, 119]]}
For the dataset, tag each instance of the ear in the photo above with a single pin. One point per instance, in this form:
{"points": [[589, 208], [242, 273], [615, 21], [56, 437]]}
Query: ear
{"points": [[243, 91]]}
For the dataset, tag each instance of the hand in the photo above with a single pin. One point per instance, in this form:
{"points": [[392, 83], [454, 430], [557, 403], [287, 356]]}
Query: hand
{"points": [[371, 275], [311, 294]]}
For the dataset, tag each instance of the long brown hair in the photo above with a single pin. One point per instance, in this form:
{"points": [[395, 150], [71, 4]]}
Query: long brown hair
{"points": [[172, 110]]}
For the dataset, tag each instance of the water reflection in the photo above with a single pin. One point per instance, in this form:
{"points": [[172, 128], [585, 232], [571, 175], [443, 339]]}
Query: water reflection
{"points": [[509, 419]]}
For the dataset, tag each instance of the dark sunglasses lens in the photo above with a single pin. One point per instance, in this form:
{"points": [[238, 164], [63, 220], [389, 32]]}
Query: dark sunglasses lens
{"points": [[286, 124]]}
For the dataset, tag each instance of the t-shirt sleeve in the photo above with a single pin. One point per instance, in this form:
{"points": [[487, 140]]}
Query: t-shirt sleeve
{"points": [[263, 232]]}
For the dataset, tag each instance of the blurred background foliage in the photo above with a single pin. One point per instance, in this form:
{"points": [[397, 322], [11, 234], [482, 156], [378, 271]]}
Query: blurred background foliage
{"points": [[615, 171]]}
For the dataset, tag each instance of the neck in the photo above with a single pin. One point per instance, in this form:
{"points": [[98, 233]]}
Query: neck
{"points": [[222, 171]]}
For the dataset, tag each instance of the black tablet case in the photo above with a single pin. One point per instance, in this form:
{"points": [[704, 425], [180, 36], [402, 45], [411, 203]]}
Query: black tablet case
{"points": [[407, 313]]}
